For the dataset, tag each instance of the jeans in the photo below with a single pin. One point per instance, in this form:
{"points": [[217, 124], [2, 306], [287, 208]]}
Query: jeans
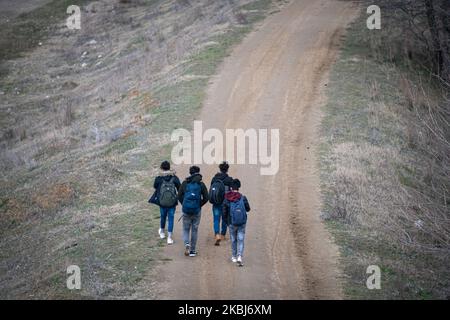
{"points": [[237, 236], [167, 213], [218, 215], [190, 225]]}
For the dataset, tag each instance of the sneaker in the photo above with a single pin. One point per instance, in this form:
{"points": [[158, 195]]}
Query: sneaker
{"points": [[186, 249], [239, 261], [192, 253], [169, 238], [233, 259], [217, 243], [161, 233]]}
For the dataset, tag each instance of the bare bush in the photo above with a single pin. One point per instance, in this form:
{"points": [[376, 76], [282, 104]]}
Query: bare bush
{"points": [[429, 198], [64, 115], [241, 18], [416, 35], [422, 29]]}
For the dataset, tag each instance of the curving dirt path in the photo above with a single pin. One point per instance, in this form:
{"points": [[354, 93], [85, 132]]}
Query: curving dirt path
{"points": [[272, 80]]}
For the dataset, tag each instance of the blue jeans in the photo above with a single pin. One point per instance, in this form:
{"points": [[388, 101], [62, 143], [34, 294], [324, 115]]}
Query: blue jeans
{"points": [[190, 227], [167, 213], [237, 236], [218, 215]]}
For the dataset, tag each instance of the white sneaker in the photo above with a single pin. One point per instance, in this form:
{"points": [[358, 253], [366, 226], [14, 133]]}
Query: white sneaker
{"points": [[169, 238], [161, 233], [239, 261], [192, 253], [233, 259]]}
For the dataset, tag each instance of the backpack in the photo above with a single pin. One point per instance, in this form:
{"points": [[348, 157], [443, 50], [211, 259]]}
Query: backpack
{"points": [[217, 192], [192, 198], [168, 194], [238, 213]]}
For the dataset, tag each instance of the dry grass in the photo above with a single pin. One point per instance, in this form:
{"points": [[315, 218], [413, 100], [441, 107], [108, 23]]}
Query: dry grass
{"points": [[96, 107], [385, 168], [54, 197]]}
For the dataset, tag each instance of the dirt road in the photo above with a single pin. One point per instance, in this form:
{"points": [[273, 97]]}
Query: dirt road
{"points": [[272, 80]]}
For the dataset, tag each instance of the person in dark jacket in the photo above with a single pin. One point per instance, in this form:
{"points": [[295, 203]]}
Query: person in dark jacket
{"points": [[193, 193], [167, 212], [223, 176], [237, 232]]}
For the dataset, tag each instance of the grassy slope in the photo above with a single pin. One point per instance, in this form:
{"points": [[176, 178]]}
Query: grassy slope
{"points": [[106, 228], [366, 160]]}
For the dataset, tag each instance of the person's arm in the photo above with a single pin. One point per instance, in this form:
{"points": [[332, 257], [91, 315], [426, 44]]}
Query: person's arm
{"points": [[177, 183], [181, 192], [246, 204], [205, 196], [225, 210], [156, 183]]}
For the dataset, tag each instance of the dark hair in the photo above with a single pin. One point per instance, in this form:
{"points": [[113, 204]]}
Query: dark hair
{"points": [[165, 165], [194, 169], [224, 166], [236, 184]]}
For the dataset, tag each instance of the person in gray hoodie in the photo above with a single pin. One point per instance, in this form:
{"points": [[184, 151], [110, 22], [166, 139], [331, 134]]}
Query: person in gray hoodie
{"points": [[193, 195]]}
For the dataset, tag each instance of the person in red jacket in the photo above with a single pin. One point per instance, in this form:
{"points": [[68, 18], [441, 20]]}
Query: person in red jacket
{"points": [[235, 208]]}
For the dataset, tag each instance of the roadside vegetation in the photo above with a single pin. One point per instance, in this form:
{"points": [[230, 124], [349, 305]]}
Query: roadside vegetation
{"points": [[86, 117], [385, 152]]}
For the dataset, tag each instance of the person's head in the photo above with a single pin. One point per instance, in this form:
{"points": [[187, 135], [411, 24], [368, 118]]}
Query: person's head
{"points": [[235, 185], [224, 166], [165, 165], [194, 170]]}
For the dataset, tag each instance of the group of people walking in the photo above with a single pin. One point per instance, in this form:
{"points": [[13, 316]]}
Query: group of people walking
{"points": [[229, 207]]}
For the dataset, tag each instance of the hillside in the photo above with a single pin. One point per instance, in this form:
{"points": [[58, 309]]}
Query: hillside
{"points": [[360, 162], [86, 115]]}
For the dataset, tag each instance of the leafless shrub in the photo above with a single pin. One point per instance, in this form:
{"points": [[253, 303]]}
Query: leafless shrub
{"points": [[65, 115], [18, 133], [182, 3], [8, 134], [426, 24], [413, 95], [241, 18], [21, 133], [9, 160], [419, 215], [431, 194], [374, 90]]}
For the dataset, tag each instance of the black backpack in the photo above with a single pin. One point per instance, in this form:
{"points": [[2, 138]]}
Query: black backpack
{"points": [[217, 192]]}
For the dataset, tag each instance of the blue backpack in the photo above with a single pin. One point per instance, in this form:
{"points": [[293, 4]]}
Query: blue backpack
{"points": [[238, 213], [192, 198]]}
